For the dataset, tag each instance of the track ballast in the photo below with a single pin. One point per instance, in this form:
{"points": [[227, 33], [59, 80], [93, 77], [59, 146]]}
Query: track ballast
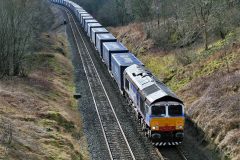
{"points": [[115, 138]]}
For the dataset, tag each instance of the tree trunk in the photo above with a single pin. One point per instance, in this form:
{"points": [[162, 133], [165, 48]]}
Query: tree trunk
{"points": [[206, 37]]}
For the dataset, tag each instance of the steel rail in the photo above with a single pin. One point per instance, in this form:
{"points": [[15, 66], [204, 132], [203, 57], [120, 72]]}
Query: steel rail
{"points": [[95, 104], [159, 154], [180, 151], [91, 89]]}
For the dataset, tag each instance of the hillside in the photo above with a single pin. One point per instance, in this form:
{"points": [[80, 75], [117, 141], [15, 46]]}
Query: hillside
{"points": [[39, 118], [207, 81]]}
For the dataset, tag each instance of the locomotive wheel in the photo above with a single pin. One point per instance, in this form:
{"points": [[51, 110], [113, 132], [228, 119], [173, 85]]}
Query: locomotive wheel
{"points": [[124, 94], [142, 124], [139, 120], [149, 133], [136, 115], [146, 133]]}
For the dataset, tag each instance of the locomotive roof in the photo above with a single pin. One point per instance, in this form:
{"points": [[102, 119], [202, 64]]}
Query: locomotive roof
{"points": [[126, 59], [149, 86], [114, 46]]}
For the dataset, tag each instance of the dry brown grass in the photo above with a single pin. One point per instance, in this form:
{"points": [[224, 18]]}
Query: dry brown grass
{"points": [[213, 103], [43, 115], [213, 100], [134, 37], [38, 115]]}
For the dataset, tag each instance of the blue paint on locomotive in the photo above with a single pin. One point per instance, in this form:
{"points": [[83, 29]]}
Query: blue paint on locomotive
{"points": [[148, 119], [133, 94]]}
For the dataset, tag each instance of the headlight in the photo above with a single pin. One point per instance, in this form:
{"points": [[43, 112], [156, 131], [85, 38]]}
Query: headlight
{"points": [[179, 127], [155, 127]]}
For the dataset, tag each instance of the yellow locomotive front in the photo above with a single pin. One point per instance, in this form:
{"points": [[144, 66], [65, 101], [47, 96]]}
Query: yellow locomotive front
{"points": [[166, 122]]}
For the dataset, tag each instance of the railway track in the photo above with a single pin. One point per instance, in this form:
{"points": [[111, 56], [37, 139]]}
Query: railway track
{"points": [[182, 153], [116, 141], [172, 153], [117, 144]]}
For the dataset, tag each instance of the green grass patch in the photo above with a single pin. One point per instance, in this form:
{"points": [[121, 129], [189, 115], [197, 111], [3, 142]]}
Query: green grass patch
{"points": [[202, 63], [61, 121], [160, 66]]}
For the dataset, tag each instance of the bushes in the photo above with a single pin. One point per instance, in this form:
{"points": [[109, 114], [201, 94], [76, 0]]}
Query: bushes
{"points": [[185, 57], [21, 23]]}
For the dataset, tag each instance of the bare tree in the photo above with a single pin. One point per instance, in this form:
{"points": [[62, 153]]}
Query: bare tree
{"points": [[20, 24], [203, 10]]}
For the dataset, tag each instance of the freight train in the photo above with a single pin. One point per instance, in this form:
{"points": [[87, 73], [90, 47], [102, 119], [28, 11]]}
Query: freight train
{"points": [[158, 110]]}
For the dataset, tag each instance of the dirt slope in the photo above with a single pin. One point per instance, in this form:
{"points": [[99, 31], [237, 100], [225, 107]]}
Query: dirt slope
{"points": [[38, 115], [209, 84]]}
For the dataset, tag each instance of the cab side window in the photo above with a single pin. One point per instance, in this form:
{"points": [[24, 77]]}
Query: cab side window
{"points": [[147, 110]]}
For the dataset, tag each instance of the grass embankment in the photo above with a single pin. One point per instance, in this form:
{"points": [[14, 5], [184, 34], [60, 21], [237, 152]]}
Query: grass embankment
{"points": [[207, 81], [39, 117]]}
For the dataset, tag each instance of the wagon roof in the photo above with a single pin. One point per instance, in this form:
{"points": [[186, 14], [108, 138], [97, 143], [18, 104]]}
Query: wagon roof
{"points": [[85, 15], [126, 59], [114, 46], [95, 24], [100, 29], [106, 36], [91, 20]]}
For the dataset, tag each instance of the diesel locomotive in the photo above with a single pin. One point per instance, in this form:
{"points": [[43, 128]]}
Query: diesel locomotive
{"points": [[158, 110]]}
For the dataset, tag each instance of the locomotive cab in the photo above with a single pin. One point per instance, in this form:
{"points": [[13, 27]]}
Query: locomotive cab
{"points": [[159, 111], [166, 122]]}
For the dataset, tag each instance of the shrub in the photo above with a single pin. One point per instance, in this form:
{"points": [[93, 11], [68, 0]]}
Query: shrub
{"points": [[184, 57], [21, 24]]}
